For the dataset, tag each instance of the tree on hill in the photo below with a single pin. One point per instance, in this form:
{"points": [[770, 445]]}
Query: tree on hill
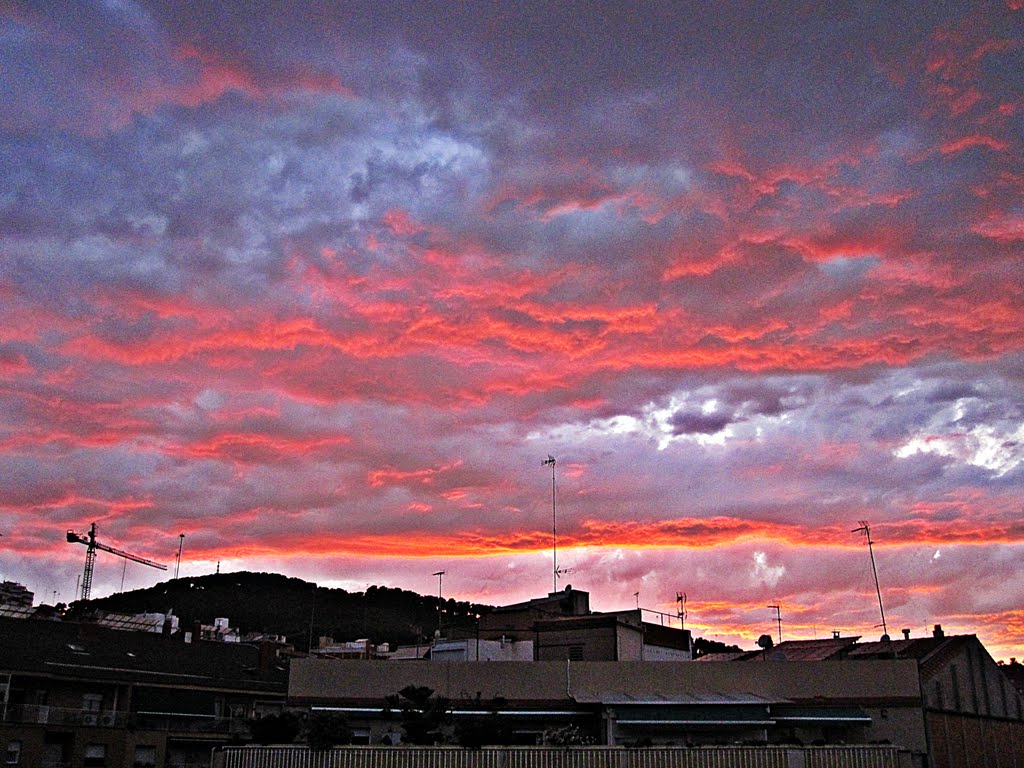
{"points": [[300, 610], [702, 647]]}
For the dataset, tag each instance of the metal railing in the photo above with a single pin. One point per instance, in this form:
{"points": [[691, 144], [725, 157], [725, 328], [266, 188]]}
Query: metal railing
{"points": [[42, 714], [47, 715], [546, 757]]}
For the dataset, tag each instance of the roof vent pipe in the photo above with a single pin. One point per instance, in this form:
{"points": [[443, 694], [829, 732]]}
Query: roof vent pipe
{"points": [[906, 634]]}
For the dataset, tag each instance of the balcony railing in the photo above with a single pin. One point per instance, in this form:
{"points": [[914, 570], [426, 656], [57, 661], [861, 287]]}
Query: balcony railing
{"points": [[189, 723], [47, 715], [181, 723]]}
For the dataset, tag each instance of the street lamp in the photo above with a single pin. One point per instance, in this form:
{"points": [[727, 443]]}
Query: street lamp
{"points": [[440, 575]]}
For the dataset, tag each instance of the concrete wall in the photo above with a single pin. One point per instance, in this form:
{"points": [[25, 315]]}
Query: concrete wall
{"points": [[961, 741], [658, 653], [482, 650], [593, 644], [630, 644]]}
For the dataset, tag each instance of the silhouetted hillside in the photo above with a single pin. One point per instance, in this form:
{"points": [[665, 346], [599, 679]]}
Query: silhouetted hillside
{"points": [[269, 602], [300, 610]]}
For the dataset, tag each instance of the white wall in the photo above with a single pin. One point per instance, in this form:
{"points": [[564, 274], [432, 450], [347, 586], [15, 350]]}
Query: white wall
{"points": [[489, 650]]}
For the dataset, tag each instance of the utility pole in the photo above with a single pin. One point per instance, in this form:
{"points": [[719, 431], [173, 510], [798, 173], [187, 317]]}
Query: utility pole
{"points": [[866, 530], [312, 615], [778, 618], [550, 461], [440, 575]]}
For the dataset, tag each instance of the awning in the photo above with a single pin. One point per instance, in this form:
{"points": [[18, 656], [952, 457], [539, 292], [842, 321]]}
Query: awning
{"points": [[173, 702], [755, 715], [793, 713]]}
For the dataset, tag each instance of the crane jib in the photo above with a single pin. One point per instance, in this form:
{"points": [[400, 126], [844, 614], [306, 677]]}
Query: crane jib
{"points": [[90, 556]]}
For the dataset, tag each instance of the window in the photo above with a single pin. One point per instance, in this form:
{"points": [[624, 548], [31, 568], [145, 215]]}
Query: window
{"points": [[92, 702], [145, 756], [95, 756], [13, 752], [91, 705], [361, 736]]}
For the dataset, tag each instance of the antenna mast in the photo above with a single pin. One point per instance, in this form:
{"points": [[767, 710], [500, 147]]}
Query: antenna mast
{"points": [[778, 619], [866, 530], [550, 460], [681, 610], [177, 563]]}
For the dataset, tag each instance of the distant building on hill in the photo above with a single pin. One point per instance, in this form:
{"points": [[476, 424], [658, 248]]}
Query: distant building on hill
{"points": [[561, 626], [15, 594]]}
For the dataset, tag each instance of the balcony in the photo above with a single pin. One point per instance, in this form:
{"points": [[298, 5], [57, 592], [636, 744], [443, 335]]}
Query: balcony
{"points": [[47, 715], [189, 723]]}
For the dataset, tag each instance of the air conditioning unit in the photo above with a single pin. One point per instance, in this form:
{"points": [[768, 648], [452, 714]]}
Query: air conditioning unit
{"points": [[89, 718]]}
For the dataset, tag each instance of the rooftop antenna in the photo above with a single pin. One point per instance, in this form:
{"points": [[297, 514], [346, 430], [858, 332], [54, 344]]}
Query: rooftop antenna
{"points": [[681, 610], [550, 460], [440, 575], [177, 563], [866, 530], [778, 618]]}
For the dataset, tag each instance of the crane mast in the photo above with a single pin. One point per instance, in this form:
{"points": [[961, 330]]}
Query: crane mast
{"points": [[89, 540]]}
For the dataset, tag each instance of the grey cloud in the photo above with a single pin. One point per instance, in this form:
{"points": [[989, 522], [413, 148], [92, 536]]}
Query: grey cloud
{"points": [[699, 423]]}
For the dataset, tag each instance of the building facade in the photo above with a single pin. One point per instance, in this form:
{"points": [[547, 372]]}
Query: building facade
{"points": [[636, 703], [87, 696]]}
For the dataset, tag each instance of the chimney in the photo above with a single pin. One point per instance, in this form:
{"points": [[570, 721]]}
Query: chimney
{"points": [[835, 634], [937, 632], [906, 634]]}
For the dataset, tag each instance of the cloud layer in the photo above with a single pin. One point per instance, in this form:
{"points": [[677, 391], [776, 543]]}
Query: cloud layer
{"points": [[320, 287]]}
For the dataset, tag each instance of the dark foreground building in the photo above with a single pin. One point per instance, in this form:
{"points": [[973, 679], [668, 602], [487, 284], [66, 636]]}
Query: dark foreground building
{"points": [[85, 696], [942, 701]]}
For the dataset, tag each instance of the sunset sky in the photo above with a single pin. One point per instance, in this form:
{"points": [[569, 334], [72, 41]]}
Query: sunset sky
{"points": [[321, 286]]}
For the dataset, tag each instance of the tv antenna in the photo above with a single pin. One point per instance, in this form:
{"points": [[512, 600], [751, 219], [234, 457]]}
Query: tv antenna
{"points": [[866, 530], [550, 461], [778, 618], [681, 610], [177, 562]]}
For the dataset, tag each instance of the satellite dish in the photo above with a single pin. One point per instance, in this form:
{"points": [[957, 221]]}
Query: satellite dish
{"points": [[765, 642]]}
